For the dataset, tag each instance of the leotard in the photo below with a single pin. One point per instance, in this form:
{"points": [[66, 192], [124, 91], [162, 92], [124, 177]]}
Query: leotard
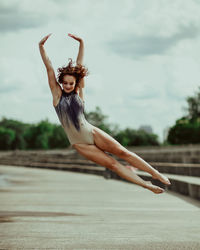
{"points": [[70, 111]]}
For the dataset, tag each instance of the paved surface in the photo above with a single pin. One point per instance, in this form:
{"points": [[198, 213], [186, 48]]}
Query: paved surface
{"points": [[49, 209]]}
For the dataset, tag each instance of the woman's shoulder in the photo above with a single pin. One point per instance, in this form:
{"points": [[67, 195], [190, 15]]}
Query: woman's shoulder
{"points": [[57, 99], [80, 98]]}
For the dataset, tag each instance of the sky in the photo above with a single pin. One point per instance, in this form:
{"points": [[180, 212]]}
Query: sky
{"points": [[143, 58]]}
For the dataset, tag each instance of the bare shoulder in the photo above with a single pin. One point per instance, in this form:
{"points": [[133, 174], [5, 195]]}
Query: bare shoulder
{"points": [[56, 95], [55, 87], [81, 98]]}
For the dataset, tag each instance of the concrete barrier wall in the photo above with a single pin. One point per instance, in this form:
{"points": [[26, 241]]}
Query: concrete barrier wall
{"points": [[178, 154], [70, 160]]}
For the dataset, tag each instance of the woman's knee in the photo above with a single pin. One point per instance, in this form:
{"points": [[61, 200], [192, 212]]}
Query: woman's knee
{"points": [[122, 152], [112, 164]]}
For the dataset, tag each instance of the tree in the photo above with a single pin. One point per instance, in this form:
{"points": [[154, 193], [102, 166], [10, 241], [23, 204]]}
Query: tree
{"points": [[132, 137], [18, 128], [7, 136], [58, 138], [187, 128], [98, 119], [193, 109], [37, 136], [184, 132]]}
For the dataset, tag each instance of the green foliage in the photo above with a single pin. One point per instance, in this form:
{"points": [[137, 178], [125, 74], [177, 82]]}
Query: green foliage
{"points": [[126, 137], [7, 136], [18, 128], [184, 131], [132, 137], [193, 108], [187, 129], [58, 138], [98, 119], [45, 135]]}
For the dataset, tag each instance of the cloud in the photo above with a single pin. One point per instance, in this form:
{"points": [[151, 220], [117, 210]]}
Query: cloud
{"points": [[5, 88], [12, 18], [135, 46], [131, 92]]}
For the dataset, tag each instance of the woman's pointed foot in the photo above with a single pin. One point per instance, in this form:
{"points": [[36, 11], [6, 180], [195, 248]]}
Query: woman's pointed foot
{"points": [[161, 178], [153, 188]]}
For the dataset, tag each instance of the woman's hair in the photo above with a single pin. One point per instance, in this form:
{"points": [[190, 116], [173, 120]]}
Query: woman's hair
{"points": [[78, 71]]}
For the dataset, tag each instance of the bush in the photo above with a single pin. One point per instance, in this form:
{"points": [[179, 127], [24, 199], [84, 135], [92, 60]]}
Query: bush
{"points": [[7, 136]]}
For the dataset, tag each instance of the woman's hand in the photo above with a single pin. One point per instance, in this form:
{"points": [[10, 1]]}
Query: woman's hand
{"points": [[75, 37], [41, 43]]}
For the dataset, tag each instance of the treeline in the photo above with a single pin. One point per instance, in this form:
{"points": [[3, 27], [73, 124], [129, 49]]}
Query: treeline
{"points": [[45, 135]]}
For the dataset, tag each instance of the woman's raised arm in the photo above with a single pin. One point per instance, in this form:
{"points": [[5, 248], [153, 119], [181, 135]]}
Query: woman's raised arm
{"points": [[79, 60], [53, 84], [80, 56], [43, 53]]}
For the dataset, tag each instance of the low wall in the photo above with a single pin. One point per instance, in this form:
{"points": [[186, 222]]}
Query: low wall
{"points": [[184, 177]]}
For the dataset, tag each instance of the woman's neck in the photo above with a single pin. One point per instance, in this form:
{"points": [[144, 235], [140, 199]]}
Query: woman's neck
{"points": [[68, 94]]}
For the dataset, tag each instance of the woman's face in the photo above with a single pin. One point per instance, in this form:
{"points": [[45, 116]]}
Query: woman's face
{"points": [[68, 83]]}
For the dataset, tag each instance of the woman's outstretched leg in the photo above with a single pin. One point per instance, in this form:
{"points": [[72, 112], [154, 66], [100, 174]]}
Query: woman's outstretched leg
{"points": [[106, 143], [138, 162], [93, 153]]}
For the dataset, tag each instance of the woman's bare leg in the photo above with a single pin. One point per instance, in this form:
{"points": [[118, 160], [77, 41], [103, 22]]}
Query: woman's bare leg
{"points": [[93, 153], [106, 143], [138, 162]]}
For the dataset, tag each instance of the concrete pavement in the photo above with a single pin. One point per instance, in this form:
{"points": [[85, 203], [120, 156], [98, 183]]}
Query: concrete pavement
{"points": [[49, 209]]}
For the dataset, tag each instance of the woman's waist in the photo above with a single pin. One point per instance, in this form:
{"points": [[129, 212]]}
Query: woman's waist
{"points": [[84, 125]]}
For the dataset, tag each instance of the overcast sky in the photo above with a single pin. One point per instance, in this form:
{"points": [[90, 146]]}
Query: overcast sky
{"points": [[143, 57]]}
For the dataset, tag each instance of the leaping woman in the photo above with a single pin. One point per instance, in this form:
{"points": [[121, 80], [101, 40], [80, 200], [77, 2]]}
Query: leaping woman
{"points": [[90, 141]]}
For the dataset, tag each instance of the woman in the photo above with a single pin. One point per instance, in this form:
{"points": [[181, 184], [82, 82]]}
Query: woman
{"points": [[90, 141]]}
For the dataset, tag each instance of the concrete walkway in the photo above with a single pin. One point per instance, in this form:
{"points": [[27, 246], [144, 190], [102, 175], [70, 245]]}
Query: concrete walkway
{"points": [[49, 209]]}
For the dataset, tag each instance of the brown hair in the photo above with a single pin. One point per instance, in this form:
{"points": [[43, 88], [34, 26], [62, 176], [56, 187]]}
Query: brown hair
{"points": [[78, 71]]}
